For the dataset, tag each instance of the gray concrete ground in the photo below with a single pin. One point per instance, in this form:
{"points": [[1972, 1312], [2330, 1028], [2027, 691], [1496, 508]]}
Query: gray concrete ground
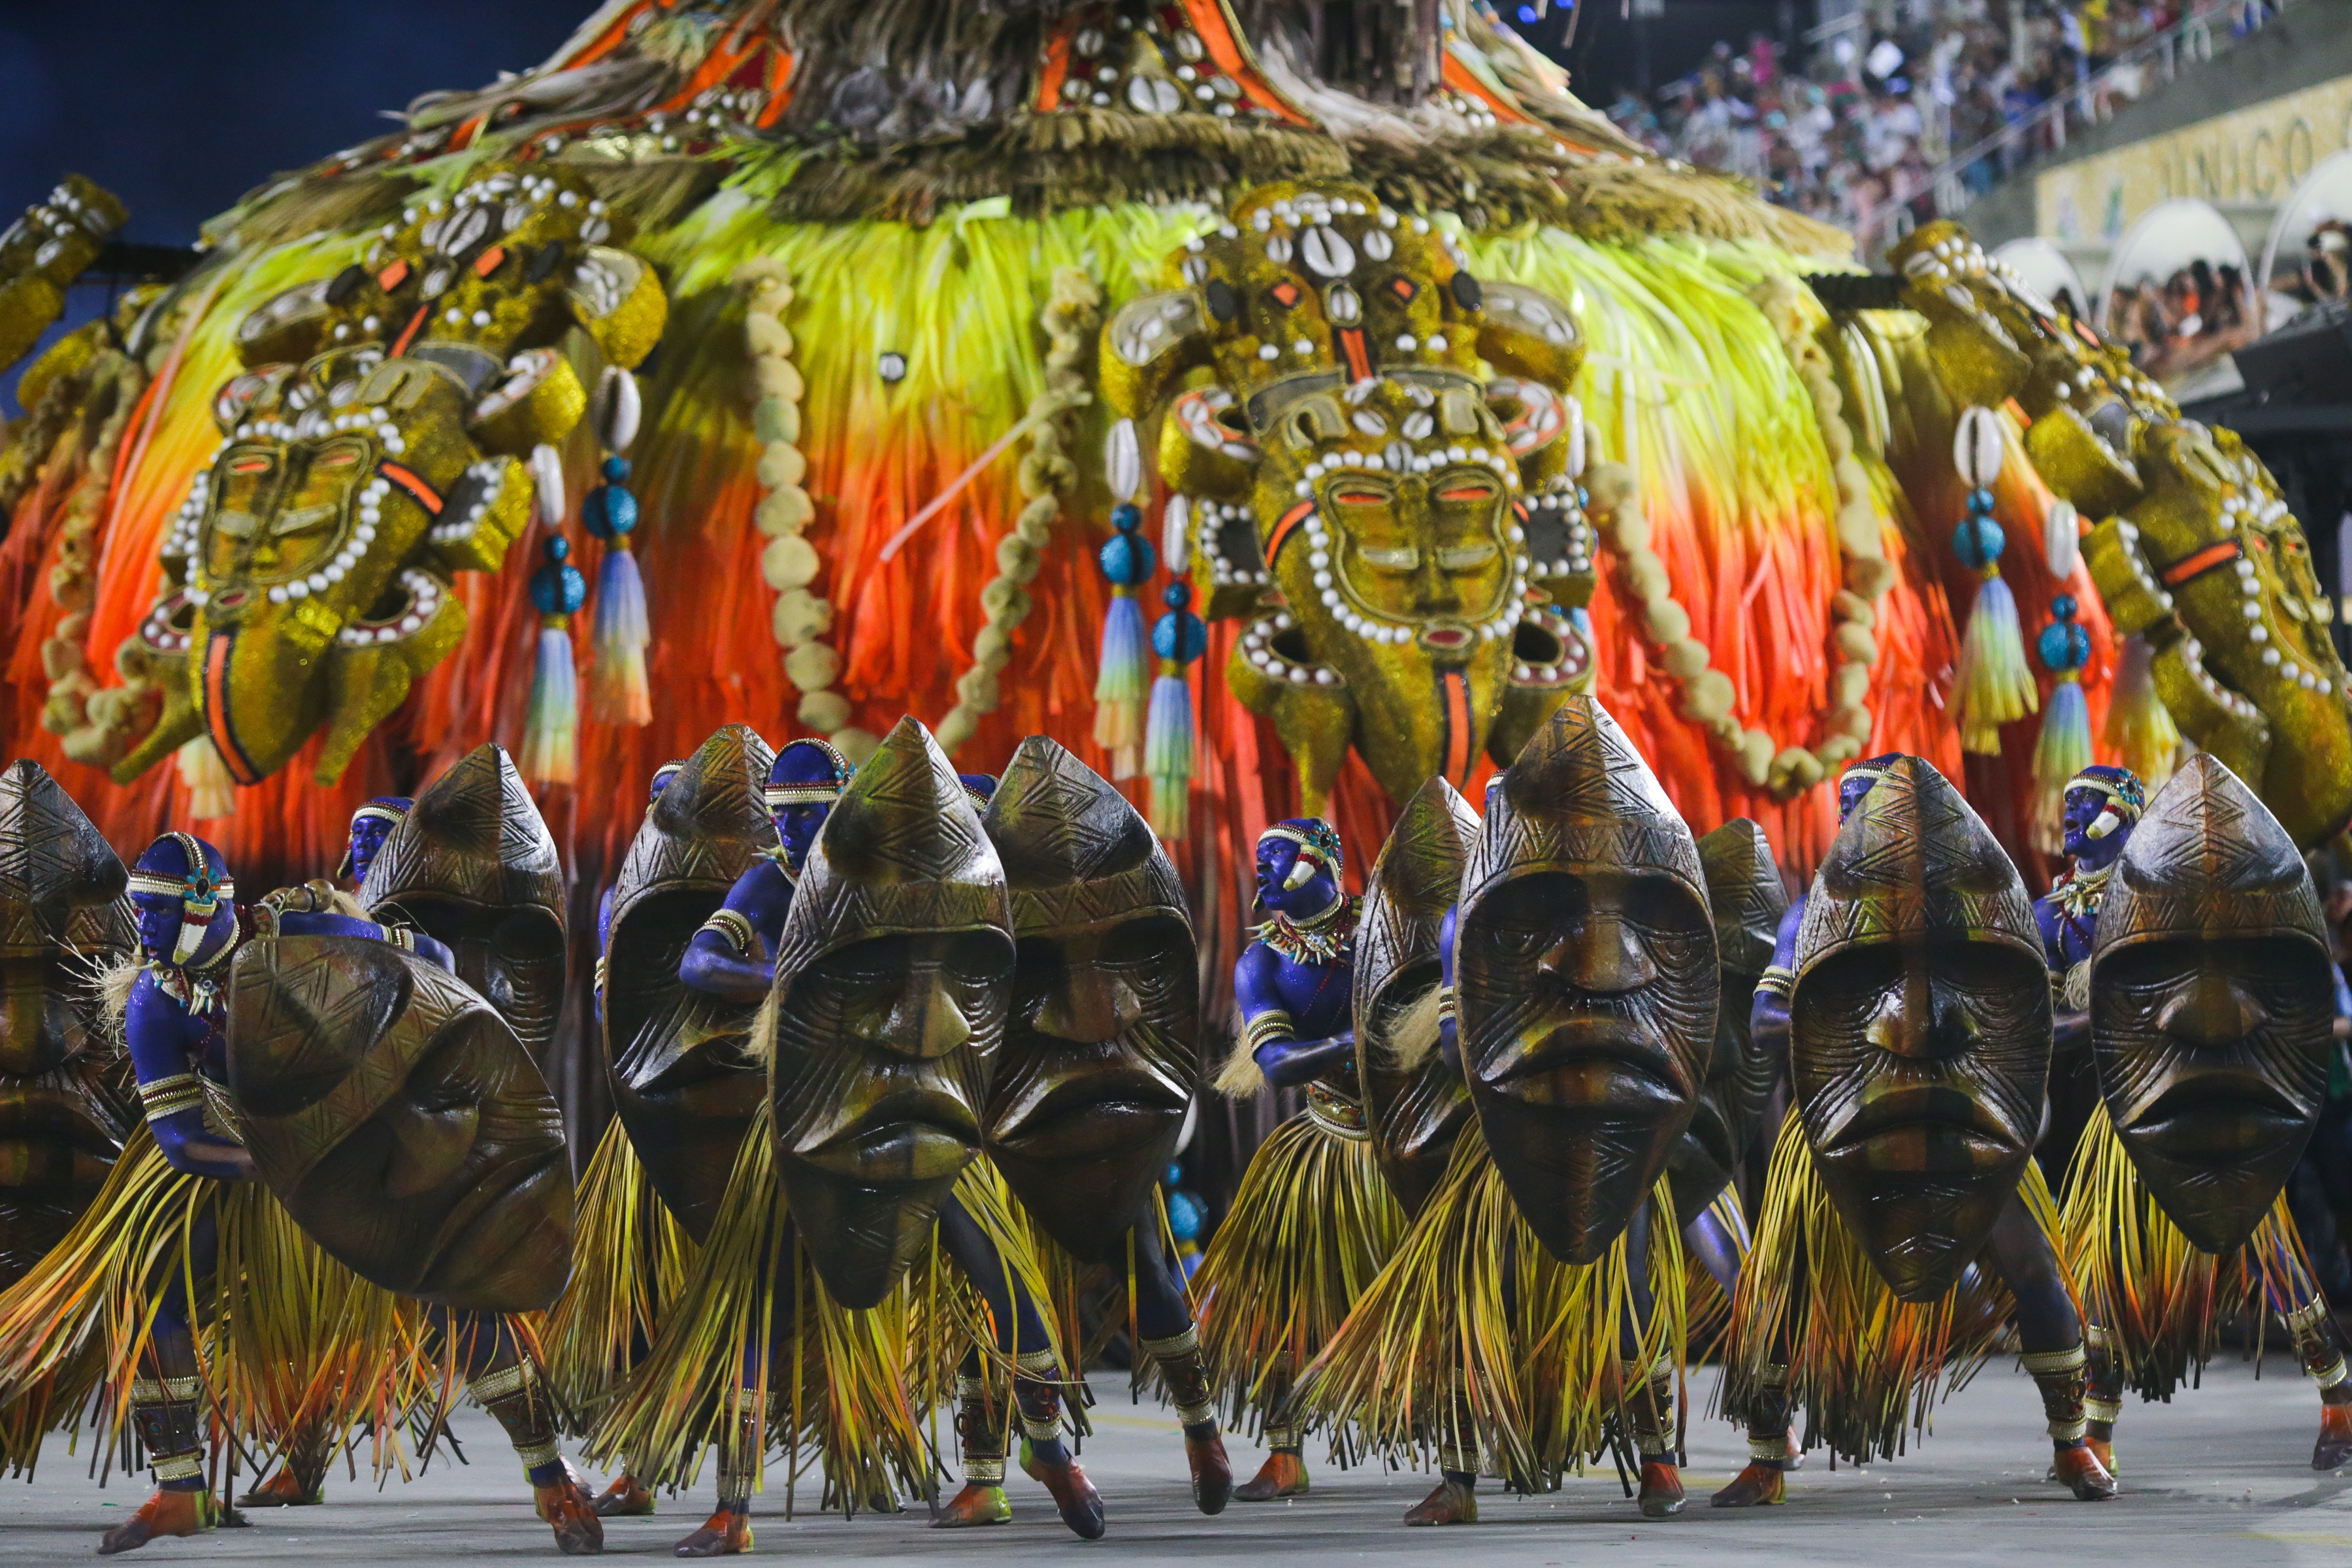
{"points": [[2221, 1477]]}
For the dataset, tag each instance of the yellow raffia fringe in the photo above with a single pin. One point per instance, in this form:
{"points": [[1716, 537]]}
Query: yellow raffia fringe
{"points": [[748, 1361], [1475, 1338], [2158, 1298], [948, 1316], [292, 1344], [1867, 1367], [630, 1260], [1310, 1227]]}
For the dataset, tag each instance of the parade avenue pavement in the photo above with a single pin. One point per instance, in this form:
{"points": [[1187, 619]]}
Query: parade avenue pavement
{"points": [[2221, 1476]]}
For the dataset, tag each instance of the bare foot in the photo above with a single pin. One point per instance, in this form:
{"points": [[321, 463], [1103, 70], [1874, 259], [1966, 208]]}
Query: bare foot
{"points": [[166, 1513], [571, 1512], [723, 1534], [624, 1499]]}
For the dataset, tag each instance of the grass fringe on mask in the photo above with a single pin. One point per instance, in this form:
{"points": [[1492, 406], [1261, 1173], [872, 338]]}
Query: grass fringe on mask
{"points": [[290, 1344], [1475, 1341], [755, 1356], [1310, 1227], [631, 1258], [2158, 1298], [1865, 1367]]}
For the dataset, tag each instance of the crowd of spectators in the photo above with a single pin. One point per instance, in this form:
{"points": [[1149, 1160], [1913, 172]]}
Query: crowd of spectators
{"points": [[1861, 125]]}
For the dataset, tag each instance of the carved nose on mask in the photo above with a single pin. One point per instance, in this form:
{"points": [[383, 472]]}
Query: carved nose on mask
{"points": [[1918, 1020], [1604, 959], [2211, 1010], [1091, 1009], [923, 1020]]}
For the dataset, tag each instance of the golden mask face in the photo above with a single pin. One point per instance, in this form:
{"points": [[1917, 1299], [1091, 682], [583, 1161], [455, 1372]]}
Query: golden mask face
{"points": [[2212, 1005], [1919, 1028], [1391, 492], [369, 453], [401, 1122], [1089, 1093]]}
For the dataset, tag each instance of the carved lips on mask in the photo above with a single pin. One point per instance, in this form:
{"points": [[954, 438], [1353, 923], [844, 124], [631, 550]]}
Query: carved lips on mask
{"points": [[1415, 1100], [401, 1122], [685, 1079], [1920, 1024], [2212, 1004], [888, 1014], [1744, 888], [1103, 1036], [1585, 962], [472, 866], [62, 913]]}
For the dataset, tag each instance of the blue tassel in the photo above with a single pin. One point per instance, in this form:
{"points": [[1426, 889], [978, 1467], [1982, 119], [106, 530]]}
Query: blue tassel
{"points": [[2063, 751], [1993, 686], [617, 692], [1122, 687], [1168, 752], [550, 734]]}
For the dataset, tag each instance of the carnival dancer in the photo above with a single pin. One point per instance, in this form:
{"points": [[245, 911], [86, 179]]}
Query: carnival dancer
{"points": [[1581, 960], [2098, 809], [1748, 898], [891, 957], [303, 1336], [300, 1481], [2211, 996], [1090, 1093], [1312, 1220], [1902, 1192], [632, 1252]]}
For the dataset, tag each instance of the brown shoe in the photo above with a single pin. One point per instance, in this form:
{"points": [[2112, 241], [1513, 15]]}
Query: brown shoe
{"points": [[1451, 1503], [723, 1534], [978, 1503], [1212, 1473], [2103, 1450], [1761, 1485], [1284, 1474], [624, 1499], [166, 1513], [2334, 1446], [1662, 1490], [283, 1490], [571, 1512], [1075, 1497], [2083, 1474]]}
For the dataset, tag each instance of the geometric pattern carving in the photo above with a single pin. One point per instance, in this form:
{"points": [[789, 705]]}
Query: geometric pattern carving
{"points": [[61, 884], [1075, 854], [2208, 861], [1744, 889]]}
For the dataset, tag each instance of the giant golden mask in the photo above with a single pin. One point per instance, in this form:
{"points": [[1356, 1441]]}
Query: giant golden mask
{"points": [[1745, 892], [2212, 1004], [1919, 1028], [1398, 509], [472, 866], [371, 450], [400, 1122], [1415, 1101], [2195, 550], [888, 1014], [1103, 1038], [63, 916], [1585, 966], [685, 1081]]}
